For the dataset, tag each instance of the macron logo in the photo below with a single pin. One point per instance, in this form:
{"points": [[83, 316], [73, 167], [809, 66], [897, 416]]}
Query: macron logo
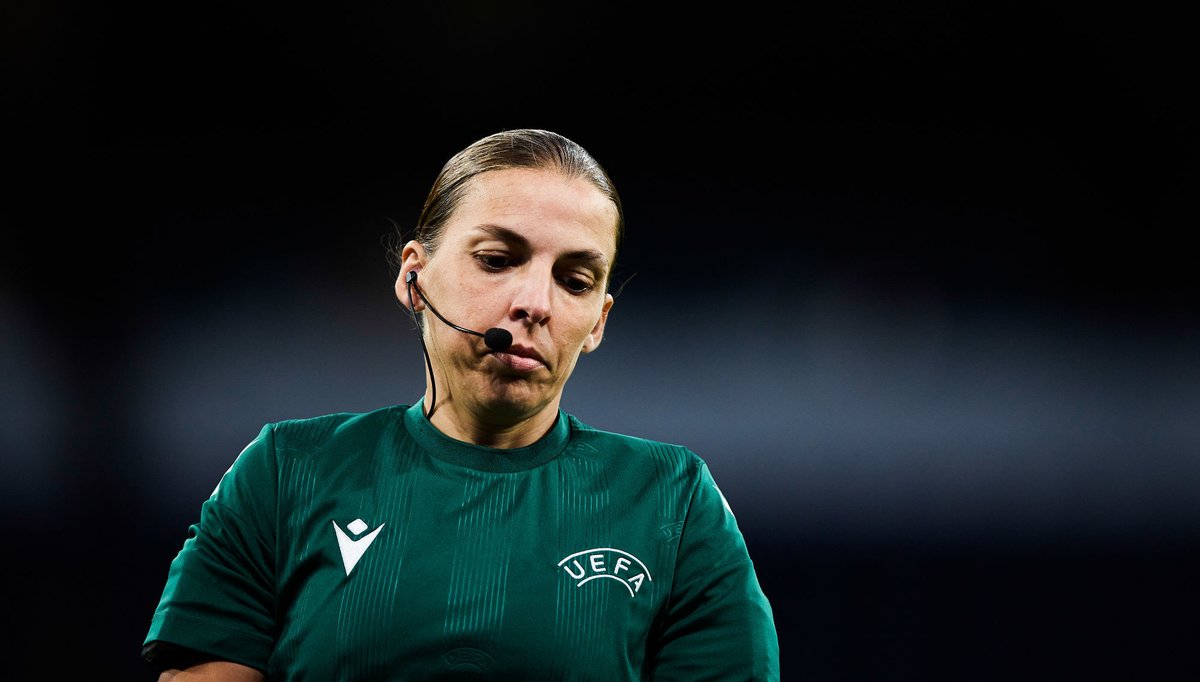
{"points": [[606, 562], [353, 550]]}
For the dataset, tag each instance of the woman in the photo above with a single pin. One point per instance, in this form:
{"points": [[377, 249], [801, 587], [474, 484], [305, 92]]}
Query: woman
{"points": [[480, 532]]}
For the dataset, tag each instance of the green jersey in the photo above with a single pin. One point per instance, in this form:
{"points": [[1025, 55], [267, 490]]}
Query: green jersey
{"points": [[373, 547]]}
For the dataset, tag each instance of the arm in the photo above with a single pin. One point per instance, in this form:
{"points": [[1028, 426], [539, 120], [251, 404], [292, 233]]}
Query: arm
{"points": [[219, 600], [213, 671], [718, 624]]}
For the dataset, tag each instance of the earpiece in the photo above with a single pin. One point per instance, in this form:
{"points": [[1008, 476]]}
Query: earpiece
{"points": [[410, 280]]}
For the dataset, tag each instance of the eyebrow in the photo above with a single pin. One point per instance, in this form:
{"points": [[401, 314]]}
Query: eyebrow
{"points": [[506, 235]]}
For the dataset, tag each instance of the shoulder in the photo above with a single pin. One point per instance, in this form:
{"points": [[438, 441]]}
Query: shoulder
{"points": [[666, 458], [299, 436], [315, 443]]}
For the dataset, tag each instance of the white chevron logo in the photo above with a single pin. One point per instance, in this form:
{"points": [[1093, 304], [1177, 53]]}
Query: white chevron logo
{"points": [[353, 550]]}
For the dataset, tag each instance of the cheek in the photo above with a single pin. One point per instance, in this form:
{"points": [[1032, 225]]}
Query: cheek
{"points": [[476, 301], [581, 327]]}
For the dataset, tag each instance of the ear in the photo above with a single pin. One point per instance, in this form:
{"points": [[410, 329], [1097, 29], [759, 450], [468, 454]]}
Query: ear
{"points": [[412, 259], [597, 334]]}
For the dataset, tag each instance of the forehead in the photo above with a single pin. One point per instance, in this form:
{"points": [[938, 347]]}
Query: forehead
{"points": [[540, 205]]}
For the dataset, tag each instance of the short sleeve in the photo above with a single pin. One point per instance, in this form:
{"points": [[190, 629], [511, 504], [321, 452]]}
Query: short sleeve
{"points": [[718, 624], [219, 596]]}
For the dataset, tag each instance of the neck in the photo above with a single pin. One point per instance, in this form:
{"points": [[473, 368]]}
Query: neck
{"points": [[492, 428]]}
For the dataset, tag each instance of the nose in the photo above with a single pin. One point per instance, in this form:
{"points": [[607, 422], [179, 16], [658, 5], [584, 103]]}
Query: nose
{"points": [[531, 299]]}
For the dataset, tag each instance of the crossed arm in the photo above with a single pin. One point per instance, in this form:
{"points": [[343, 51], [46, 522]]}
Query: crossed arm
{"points": [[213, 671]]}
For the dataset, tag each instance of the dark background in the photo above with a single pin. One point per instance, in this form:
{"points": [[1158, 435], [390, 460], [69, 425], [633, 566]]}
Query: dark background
{"points": [[915, 281]]}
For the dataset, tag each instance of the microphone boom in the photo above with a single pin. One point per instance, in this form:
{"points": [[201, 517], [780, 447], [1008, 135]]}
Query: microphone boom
{"points": [[495, 338]]}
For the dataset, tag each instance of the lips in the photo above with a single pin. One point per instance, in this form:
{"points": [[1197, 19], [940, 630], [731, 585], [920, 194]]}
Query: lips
{"points": [[521, 358]]}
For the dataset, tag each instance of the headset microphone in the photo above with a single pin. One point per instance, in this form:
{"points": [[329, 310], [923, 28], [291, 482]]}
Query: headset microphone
{"points": [[495, 338]]}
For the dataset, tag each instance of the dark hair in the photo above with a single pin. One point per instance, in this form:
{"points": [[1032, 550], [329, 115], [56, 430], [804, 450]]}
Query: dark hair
{"points": [[524, 148]]}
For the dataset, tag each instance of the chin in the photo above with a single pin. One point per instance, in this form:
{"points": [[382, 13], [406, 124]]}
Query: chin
{"points": [[517, 399]]}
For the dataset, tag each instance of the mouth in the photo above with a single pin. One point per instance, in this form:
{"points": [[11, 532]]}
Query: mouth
{"points": [[521, 358]]}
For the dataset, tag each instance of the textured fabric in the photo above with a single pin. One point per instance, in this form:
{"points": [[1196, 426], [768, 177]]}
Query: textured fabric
{"points": [[372, 547]]}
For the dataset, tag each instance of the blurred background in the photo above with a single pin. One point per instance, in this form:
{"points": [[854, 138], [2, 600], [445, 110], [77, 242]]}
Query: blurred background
{"points": [[914, 279]]}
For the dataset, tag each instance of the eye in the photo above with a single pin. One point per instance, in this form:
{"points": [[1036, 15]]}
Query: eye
{"points": [[576, 285], [493, 262]]}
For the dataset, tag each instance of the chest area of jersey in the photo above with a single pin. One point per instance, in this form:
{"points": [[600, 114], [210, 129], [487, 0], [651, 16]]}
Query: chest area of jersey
{"points": [[481, 574]]}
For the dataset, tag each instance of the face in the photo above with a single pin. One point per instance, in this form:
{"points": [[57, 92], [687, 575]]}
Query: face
{"points": [[528, 251]]}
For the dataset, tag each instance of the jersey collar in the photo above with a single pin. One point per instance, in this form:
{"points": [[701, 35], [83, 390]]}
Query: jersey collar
{"points": [[483, 458]]}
